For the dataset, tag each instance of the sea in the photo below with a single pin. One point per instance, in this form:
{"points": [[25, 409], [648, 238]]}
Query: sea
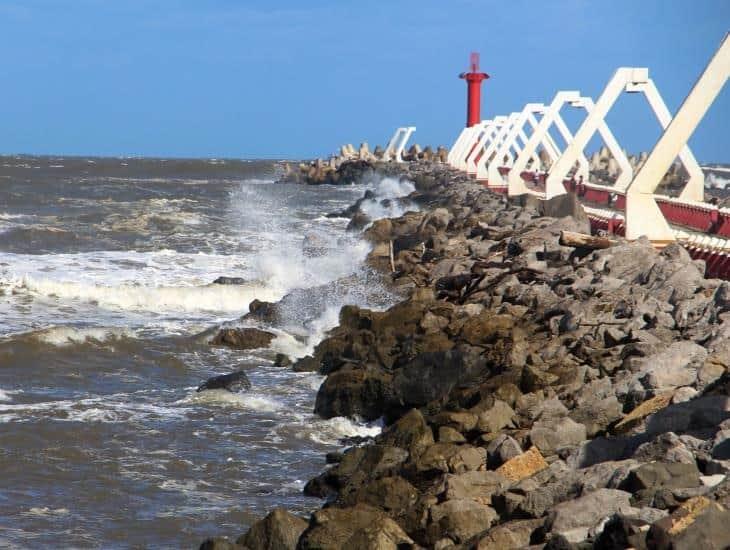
{"points": [[107, 305]]}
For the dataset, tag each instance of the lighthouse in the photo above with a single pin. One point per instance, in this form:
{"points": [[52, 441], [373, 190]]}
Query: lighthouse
{"points": [[473, 90]]}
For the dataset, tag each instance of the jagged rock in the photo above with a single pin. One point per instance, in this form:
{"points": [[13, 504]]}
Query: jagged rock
{"points": [[514, 534], [450, 435], [476, 485], [460, 519], [501, 449], [393, 494], [334, 528], [386, 535], [222, 280], [551, 435], [697, 523], [499, 416], [524, 465], [575, 519], [234, 382], [282, 360], [279, 530], [243, 338], [220, 543], [410, 432]]}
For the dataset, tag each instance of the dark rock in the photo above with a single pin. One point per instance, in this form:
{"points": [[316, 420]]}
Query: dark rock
{"points": [[698, 523], [233, 382], [229, 281], [220, 543], [243, 338], [282, 360], [279, 530]]}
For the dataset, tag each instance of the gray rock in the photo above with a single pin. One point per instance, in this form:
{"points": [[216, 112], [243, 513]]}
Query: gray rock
{"points": [[461, 519], [575, 519], [551, 435]]}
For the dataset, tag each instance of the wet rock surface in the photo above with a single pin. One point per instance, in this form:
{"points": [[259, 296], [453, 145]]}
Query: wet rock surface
{"points": [[533, 394]]}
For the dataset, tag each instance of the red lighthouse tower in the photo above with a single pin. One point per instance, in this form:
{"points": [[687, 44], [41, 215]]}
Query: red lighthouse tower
{"points": [[474, 90]]}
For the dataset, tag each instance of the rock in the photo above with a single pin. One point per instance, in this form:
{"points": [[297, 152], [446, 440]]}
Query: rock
{"points": [[575, 519], [282, 360], [450, 435], [410, 432], [697, 523], [648, 478], [475, 485], [460, 519], [501, 449], [386, 535], [393, 494], [279, 530], [220, 543], [514, 534], [334, 528], [229, 281], [243, 338], [355, 390], [551, 435], [641, 411], [499, 416], [262, 311], [233, 382], [523, 466]]}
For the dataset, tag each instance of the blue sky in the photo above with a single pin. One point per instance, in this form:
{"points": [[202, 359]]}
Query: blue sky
{"points": [[290, 78]]}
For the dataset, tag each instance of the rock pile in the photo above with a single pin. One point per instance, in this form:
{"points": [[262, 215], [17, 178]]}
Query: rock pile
{"points": [[534, 395], [350, 164]]}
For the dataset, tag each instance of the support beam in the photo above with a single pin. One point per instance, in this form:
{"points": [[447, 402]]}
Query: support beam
{"points": [[643, 216], [400, 144]]}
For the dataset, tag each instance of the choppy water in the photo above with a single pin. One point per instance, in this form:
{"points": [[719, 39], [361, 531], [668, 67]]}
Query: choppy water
{"points": [[105, 272]]}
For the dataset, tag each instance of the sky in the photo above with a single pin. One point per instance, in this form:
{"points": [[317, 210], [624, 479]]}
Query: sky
{"points": [[295, 79]]}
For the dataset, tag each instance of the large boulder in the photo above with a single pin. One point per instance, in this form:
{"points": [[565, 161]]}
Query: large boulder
{"points": [[460, 519], [243, 338], [577, 518], [279, 530], [334, 528]]}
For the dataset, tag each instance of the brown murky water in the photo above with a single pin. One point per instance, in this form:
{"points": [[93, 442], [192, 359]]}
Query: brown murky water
{"points": [[105, 272]]}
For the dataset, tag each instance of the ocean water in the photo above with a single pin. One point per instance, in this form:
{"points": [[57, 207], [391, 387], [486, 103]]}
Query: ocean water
{"points": [[106, 270]]}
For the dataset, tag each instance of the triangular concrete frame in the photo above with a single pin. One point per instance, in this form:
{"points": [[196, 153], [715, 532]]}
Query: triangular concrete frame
{"points": [[482, 173], [487, 133], [397, 143], [551, 148], [487, 137], [552, 116], [643, 216], [464, 144], [631, 80]]}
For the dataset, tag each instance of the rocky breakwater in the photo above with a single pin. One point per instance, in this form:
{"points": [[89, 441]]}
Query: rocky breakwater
{"points": [[533, 394], [351, 165]]}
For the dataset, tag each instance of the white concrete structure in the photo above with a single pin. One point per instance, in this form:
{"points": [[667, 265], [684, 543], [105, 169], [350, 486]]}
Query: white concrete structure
{"points": [[482, 172], [631, 80], [489, 130], [643, 216], [463, 145], [516, 135], [397, 143], [554, 186]]}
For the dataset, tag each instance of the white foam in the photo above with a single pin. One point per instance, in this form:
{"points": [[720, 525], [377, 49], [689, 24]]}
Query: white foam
{"points": [[5, 395], [65, 336], [390, 189], [211, 298], [45, 511], [242, 400]]}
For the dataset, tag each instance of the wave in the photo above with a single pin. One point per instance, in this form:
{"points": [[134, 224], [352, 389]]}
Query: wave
{"points": [[208, 298], [66, 336], [224, 398]]}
